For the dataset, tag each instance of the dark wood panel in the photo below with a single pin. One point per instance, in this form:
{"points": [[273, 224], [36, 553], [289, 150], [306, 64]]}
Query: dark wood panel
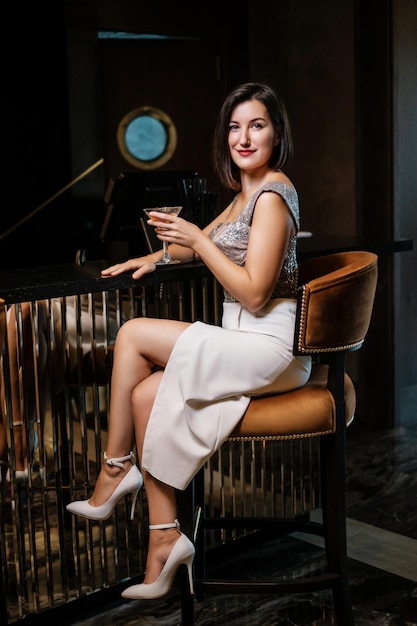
{"points": [[179, 77]]}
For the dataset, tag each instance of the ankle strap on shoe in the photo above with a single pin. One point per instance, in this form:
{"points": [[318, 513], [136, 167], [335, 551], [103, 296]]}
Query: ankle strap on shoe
{"points": [[119, 461], [175, 524]]}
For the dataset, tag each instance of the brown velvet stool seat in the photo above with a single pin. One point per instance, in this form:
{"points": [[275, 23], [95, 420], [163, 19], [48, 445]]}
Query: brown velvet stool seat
{"points": [[306, 412], [334, 309]]}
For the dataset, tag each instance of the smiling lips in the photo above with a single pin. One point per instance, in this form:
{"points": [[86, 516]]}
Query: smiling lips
{"points": [[245, 152]]}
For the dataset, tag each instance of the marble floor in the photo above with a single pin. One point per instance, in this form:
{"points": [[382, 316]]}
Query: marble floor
{"points": [[382, 546]]}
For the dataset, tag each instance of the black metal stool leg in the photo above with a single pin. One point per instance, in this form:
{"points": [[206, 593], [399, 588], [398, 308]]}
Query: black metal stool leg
{"points": [[186, 507]]}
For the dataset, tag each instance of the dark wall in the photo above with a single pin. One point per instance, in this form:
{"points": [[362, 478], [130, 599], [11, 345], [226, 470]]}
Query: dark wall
{"points": [[57, 79], [306, 51], [36, 124]]}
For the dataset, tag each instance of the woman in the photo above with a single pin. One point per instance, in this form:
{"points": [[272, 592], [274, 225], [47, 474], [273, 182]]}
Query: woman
{"points": [[179, 389]]}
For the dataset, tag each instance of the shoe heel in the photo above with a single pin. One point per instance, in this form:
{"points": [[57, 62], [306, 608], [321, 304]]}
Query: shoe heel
{"points": [[134, 498], [189, 563]]}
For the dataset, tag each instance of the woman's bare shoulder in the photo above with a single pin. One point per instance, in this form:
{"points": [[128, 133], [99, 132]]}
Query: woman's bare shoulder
{"points": [[280, 177]]}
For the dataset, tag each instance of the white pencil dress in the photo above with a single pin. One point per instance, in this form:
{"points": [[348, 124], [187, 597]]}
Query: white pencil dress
{"points": [[213, 371]]}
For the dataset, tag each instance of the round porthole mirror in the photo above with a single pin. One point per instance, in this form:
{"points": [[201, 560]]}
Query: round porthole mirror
{"points": [[147, 137]]}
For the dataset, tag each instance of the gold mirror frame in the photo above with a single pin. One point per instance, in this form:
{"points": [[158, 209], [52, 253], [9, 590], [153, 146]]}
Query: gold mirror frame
{"points": [[169, 128]]}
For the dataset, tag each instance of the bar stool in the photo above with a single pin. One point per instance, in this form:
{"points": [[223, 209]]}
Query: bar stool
{"points": [[334, 308]]}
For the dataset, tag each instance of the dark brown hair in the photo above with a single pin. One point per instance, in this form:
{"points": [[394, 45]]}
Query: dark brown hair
{"points": [[225, 167]]}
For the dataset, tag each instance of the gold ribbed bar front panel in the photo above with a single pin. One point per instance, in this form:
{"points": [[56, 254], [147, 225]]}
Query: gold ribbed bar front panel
{"points": [[50, 557]]}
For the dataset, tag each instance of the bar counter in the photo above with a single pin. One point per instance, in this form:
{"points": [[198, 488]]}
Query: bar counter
{"points": [[53, 564], [54, 281], [50, 560], [35, 283]]}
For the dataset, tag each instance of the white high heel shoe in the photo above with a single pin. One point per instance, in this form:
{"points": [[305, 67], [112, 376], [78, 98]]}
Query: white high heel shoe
{"points": [[131, 483], [181, 554]]}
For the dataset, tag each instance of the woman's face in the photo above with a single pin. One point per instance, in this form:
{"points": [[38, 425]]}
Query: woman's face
{"points": [[252, 137]]}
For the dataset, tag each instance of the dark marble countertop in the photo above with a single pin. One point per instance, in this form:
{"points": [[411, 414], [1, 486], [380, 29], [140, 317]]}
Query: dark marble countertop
{"points": [[52, 281], [315, 246]]}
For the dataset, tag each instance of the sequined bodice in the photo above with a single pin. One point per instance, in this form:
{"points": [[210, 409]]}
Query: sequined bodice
{"points": [[233, 237]]}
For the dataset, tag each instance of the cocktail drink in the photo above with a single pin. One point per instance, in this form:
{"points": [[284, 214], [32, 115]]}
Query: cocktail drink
{"points": [[170, 210]]}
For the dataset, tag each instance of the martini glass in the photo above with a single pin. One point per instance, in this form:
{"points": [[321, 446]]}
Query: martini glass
{"points": [[170, 210]]}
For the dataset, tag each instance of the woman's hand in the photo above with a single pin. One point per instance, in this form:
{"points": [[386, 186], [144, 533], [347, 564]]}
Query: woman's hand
{"points": [[140, 266], [174, 229], [180, 233]]}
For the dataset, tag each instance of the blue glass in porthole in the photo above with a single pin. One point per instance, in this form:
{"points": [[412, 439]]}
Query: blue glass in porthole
{"points": [[146, 138]]}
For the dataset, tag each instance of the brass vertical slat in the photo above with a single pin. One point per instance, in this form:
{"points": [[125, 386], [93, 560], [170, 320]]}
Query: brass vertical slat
{"points": [[54, 429], [20, 495], [204, 301], [193, 297], [263, 493], [222, 499], [25, 501], [242, 465], [230, 468]]}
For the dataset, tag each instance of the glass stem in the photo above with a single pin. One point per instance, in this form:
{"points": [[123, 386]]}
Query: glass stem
{"points": [[166, 258]]}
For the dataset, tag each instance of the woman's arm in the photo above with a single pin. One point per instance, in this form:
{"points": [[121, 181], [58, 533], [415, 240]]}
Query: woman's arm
{"points": [[143, 265], [253, 284]]}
